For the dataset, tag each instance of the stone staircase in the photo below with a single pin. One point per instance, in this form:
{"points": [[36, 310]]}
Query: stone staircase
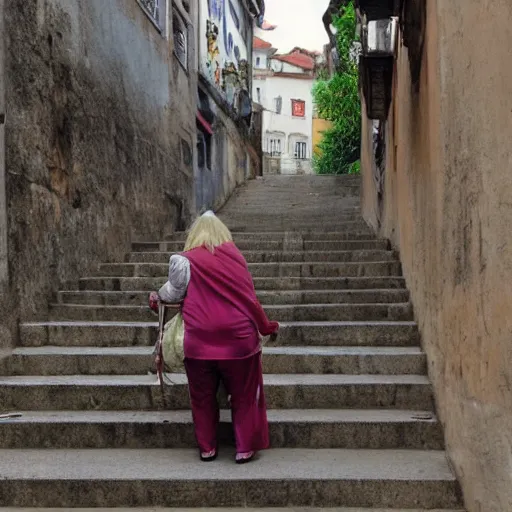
{"points": [[351, 409]]}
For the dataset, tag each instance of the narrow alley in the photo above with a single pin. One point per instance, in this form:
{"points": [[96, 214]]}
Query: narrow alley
{"points": [[359, 153], [350, 406]]}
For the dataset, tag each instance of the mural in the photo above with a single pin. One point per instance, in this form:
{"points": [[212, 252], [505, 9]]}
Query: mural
{"points": [[223, 48]]}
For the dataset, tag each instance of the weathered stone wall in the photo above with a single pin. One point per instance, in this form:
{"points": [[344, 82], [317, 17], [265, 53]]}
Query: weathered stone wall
{"points": [[99, 116], [7, 326], [447, 206]]}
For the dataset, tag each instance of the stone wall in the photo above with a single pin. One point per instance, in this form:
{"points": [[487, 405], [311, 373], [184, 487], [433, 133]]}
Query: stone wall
{"points": [[447, 206], [7, 326], [99, 136]]}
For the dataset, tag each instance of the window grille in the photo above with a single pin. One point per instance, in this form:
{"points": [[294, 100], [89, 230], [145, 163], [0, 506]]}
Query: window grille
{"points": [[180, 37], [275, 147], [300, 151], [155, 10]]}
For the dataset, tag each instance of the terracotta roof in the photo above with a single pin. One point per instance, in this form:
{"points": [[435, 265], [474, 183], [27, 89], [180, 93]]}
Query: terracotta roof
{"points": [[267, 26], [298, 59], [260, 44]]}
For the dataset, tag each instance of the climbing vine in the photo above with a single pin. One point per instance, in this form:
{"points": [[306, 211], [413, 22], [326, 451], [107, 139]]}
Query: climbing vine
{"points": [[337, 100]]}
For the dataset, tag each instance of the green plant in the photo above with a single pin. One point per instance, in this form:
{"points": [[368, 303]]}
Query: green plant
{"points": [[355, 168], [337, 100]]}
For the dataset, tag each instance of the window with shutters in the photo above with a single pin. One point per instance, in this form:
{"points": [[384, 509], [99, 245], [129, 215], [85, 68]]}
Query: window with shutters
{"points": [[274, 143], [180, 38], [156, 12], [301, 152], [275, 147], [278, 104]]}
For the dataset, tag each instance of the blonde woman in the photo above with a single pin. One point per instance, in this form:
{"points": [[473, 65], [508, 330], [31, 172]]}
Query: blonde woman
{"points": [[223, 320]]}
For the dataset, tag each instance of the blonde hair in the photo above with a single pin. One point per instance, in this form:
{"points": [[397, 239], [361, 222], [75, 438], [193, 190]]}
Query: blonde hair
{"points": [[207, 231]]}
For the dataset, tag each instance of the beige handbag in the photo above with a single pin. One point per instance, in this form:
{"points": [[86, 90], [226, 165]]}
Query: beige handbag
{"points": [[172, 345], [171, 335]]}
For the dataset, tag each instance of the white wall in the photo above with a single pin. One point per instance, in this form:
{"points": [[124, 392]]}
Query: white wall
{"points": [[283, 67], [262, 55], [258, 89], [291, 128]]}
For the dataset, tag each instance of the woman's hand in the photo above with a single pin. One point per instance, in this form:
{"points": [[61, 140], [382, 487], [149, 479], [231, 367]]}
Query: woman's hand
{"points": [[273, 336], [272, 330], [154, 300]]}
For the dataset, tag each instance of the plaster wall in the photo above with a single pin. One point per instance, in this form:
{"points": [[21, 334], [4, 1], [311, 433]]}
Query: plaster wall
{"points": [[447, 206]]}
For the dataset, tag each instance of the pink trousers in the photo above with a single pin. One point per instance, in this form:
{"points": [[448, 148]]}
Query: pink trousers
{"points": [[243, 379]]}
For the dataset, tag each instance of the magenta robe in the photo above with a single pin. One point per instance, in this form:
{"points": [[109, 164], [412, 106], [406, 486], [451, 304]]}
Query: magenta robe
{"points": [[221, 312]]}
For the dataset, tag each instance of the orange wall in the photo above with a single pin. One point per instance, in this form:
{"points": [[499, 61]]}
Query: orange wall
{"points": [[319, 126]]}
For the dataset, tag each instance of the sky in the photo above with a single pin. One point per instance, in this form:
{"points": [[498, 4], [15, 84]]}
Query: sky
{"points": [[299, 23]]}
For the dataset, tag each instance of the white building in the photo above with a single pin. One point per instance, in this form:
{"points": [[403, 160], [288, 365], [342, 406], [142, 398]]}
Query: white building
{"points": [[283, 85]]}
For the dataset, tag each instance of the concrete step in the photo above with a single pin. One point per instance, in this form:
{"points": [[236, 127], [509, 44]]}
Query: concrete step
{"points": [[261, 283], [286, 360], [302, 220], [280, 478], [284, 203], [273, 245], [253, 220], [327, 184], [112, 334], [142, 392], [302, 209], [312, 269], [294, 196], [278, 313], [216, 509], [294, 203], [291, 210], [307, 428], [282, 257], [249, 213], [307, 236], [266, 297], [298, 225]]}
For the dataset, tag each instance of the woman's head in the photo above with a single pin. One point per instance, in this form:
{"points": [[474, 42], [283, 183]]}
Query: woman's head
{"points": [[208, 231]]}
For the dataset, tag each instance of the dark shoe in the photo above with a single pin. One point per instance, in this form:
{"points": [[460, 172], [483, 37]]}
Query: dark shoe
{"points": [[208, 456], [244, 458]]}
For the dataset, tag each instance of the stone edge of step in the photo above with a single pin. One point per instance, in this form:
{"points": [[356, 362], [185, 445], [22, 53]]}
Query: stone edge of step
{"points": [[307, 416], [278, 464]]}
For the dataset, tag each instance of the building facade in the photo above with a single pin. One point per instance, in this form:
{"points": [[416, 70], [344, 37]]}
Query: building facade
{"points": [[283, 85], [226, 156]]}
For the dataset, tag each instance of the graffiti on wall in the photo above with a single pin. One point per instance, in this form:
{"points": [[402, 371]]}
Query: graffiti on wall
{"points": [[223, 47]]}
